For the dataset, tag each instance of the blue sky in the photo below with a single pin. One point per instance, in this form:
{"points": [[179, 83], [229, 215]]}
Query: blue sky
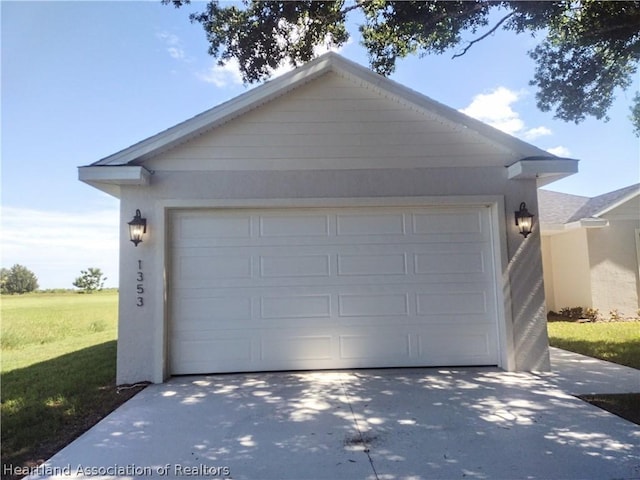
{"points": [[82, 80]]}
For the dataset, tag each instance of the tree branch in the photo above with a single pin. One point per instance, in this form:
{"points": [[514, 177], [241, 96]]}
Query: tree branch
{"points": [[495, 27]]}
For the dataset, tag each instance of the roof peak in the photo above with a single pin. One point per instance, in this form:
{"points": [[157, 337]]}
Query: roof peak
{"points": [[278, 86]]}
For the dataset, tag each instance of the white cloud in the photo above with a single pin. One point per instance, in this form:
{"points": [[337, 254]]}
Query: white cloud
{"points": [[173, 45], [560, 151], [495, 109], [223, 76], [169, 38], [176, 53], [536, 132], [57, 245]]}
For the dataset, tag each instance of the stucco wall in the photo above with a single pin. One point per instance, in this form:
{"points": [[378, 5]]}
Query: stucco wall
{"points": [[141, 328], [568, 253], [547, 270], [596, 267], [142, 341], [614, 264]]}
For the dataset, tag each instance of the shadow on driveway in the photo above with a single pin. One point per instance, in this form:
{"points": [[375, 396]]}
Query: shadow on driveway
{"points": [[384, 424]]}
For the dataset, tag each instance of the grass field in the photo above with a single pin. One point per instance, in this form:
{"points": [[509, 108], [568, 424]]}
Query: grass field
{"points": [[58, 370], [617, 342]]}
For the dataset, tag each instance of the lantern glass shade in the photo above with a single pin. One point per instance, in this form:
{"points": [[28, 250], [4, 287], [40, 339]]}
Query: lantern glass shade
{"points": [[137, 227], [524, 220]]}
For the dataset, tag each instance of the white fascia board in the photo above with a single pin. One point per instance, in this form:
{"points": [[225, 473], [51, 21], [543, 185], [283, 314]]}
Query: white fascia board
{"points": [[617, 204], [590, 223], [543, 170], [548, 229], [109, 179], [119, 175]]}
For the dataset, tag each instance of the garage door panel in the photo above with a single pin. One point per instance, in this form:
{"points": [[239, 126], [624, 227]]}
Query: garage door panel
{"points": [[438, 263], [212, 310], [331, 288], [458, 303], [195, 356], [466, 346], [373, 305], [295, 265], [393, 346], [192, 226], [208, 269], [285, 347], [289, 226], [372, 264], [295, 306], [370, 224], [447, 222]]}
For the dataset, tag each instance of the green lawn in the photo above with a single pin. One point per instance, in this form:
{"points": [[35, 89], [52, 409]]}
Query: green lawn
{"points": [[617, 342], [58, 370]]}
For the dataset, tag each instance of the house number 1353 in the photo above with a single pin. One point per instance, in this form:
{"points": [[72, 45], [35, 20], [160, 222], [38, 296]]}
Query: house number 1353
{"points": [[139, 285]]}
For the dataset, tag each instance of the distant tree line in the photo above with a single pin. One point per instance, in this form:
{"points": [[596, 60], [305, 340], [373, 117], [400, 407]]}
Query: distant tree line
{"points": [[90, 280], [19, 279]]}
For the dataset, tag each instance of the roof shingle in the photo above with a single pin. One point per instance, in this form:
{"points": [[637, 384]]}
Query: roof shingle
{"points": [[561, 208]]}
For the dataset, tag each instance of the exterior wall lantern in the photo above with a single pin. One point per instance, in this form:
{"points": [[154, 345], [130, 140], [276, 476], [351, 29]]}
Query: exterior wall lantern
{"points": [[137, 227], [524, 220]]}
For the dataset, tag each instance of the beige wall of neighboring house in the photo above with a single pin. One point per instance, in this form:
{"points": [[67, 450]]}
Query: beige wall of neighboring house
{"points": [[565, 258], [591, 256], [613, 258]]}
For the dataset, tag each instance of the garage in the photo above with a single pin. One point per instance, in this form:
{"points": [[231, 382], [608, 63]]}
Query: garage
{"points": [[324, 288], [329, 218]]}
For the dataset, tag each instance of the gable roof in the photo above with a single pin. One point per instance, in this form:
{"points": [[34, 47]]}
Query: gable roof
{"points": [[557, 207], [561, 208], [329, 62], [598, 206]]}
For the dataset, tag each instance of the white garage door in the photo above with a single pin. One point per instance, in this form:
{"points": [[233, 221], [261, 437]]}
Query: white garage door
{"points": [[289, 289]]}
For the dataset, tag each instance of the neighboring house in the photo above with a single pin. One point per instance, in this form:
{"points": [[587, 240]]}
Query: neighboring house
{"points": [[591, 250], [329, 218]]}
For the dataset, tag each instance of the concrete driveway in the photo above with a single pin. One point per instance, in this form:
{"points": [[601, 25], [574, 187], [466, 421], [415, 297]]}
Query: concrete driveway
{"points": [[369, 424]]}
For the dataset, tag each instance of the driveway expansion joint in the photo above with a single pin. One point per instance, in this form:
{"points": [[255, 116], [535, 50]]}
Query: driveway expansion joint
{"points": [[360, 436]]}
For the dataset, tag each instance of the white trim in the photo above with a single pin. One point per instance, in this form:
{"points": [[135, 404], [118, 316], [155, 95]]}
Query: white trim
{"points": [[109, 179], [545, 171], [556, 228], [589, 223], [552, 229], [496, 204], [160, 369], [118, 175], [617, 204], [465, 200], [506, 341]]}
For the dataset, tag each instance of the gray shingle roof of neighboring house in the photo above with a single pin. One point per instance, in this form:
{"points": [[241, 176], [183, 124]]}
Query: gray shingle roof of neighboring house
{"points": [[561, 208]]}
